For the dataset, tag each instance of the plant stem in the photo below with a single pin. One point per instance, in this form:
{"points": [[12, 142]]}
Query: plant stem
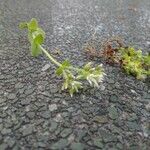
{"points": [[55, 61], [50, 57]]}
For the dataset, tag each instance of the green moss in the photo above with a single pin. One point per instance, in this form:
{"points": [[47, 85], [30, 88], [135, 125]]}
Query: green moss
{"points": [[134, 62]]}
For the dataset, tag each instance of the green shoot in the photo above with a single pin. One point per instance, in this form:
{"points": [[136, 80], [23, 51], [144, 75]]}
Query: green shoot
{"points": [[72, 76]]}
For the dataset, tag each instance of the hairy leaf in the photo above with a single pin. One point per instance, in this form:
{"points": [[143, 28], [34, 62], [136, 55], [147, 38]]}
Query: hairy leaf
{"points": [[35, 49], [62, 68], [33, 25], [39, 39]]}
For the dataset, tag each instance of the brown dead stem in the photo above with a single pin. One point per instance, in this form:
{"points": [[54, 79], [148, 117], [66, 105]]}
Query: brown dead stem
{"points": [[108, 50]]}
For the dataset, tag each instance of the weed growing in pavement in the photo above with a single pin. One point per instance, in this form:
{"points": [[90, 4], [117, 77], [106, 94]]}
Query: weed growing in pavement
{"points": [[72, 76]]}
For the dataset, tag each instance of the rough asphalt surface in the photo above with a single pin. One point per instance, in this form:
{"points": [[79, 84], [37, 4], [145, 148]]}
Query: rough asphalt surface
{"points": [[35, 114]]}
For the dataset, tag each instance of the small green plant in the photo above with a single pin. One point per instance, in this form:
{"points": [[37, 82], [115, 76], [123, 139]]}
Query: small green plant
{"points": [[134, 62], [72, 76], [131, 60]]}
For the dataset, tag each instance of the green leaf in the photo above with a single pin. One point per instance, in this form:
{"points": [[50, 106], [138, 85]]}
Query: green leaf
{"points": [[66, 63], [23, 25], [59, 71], [35, 49], [40, 31], [74, 87], [37, 32], [148, 73], [131, 51], [33, 24], [147, 60], [39, 39], [88, 66]]}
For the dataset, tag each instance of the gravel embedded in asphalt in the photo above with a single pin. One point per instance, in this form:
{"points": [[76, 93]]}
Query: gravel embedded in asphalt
{"points": [[35, 114]]}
